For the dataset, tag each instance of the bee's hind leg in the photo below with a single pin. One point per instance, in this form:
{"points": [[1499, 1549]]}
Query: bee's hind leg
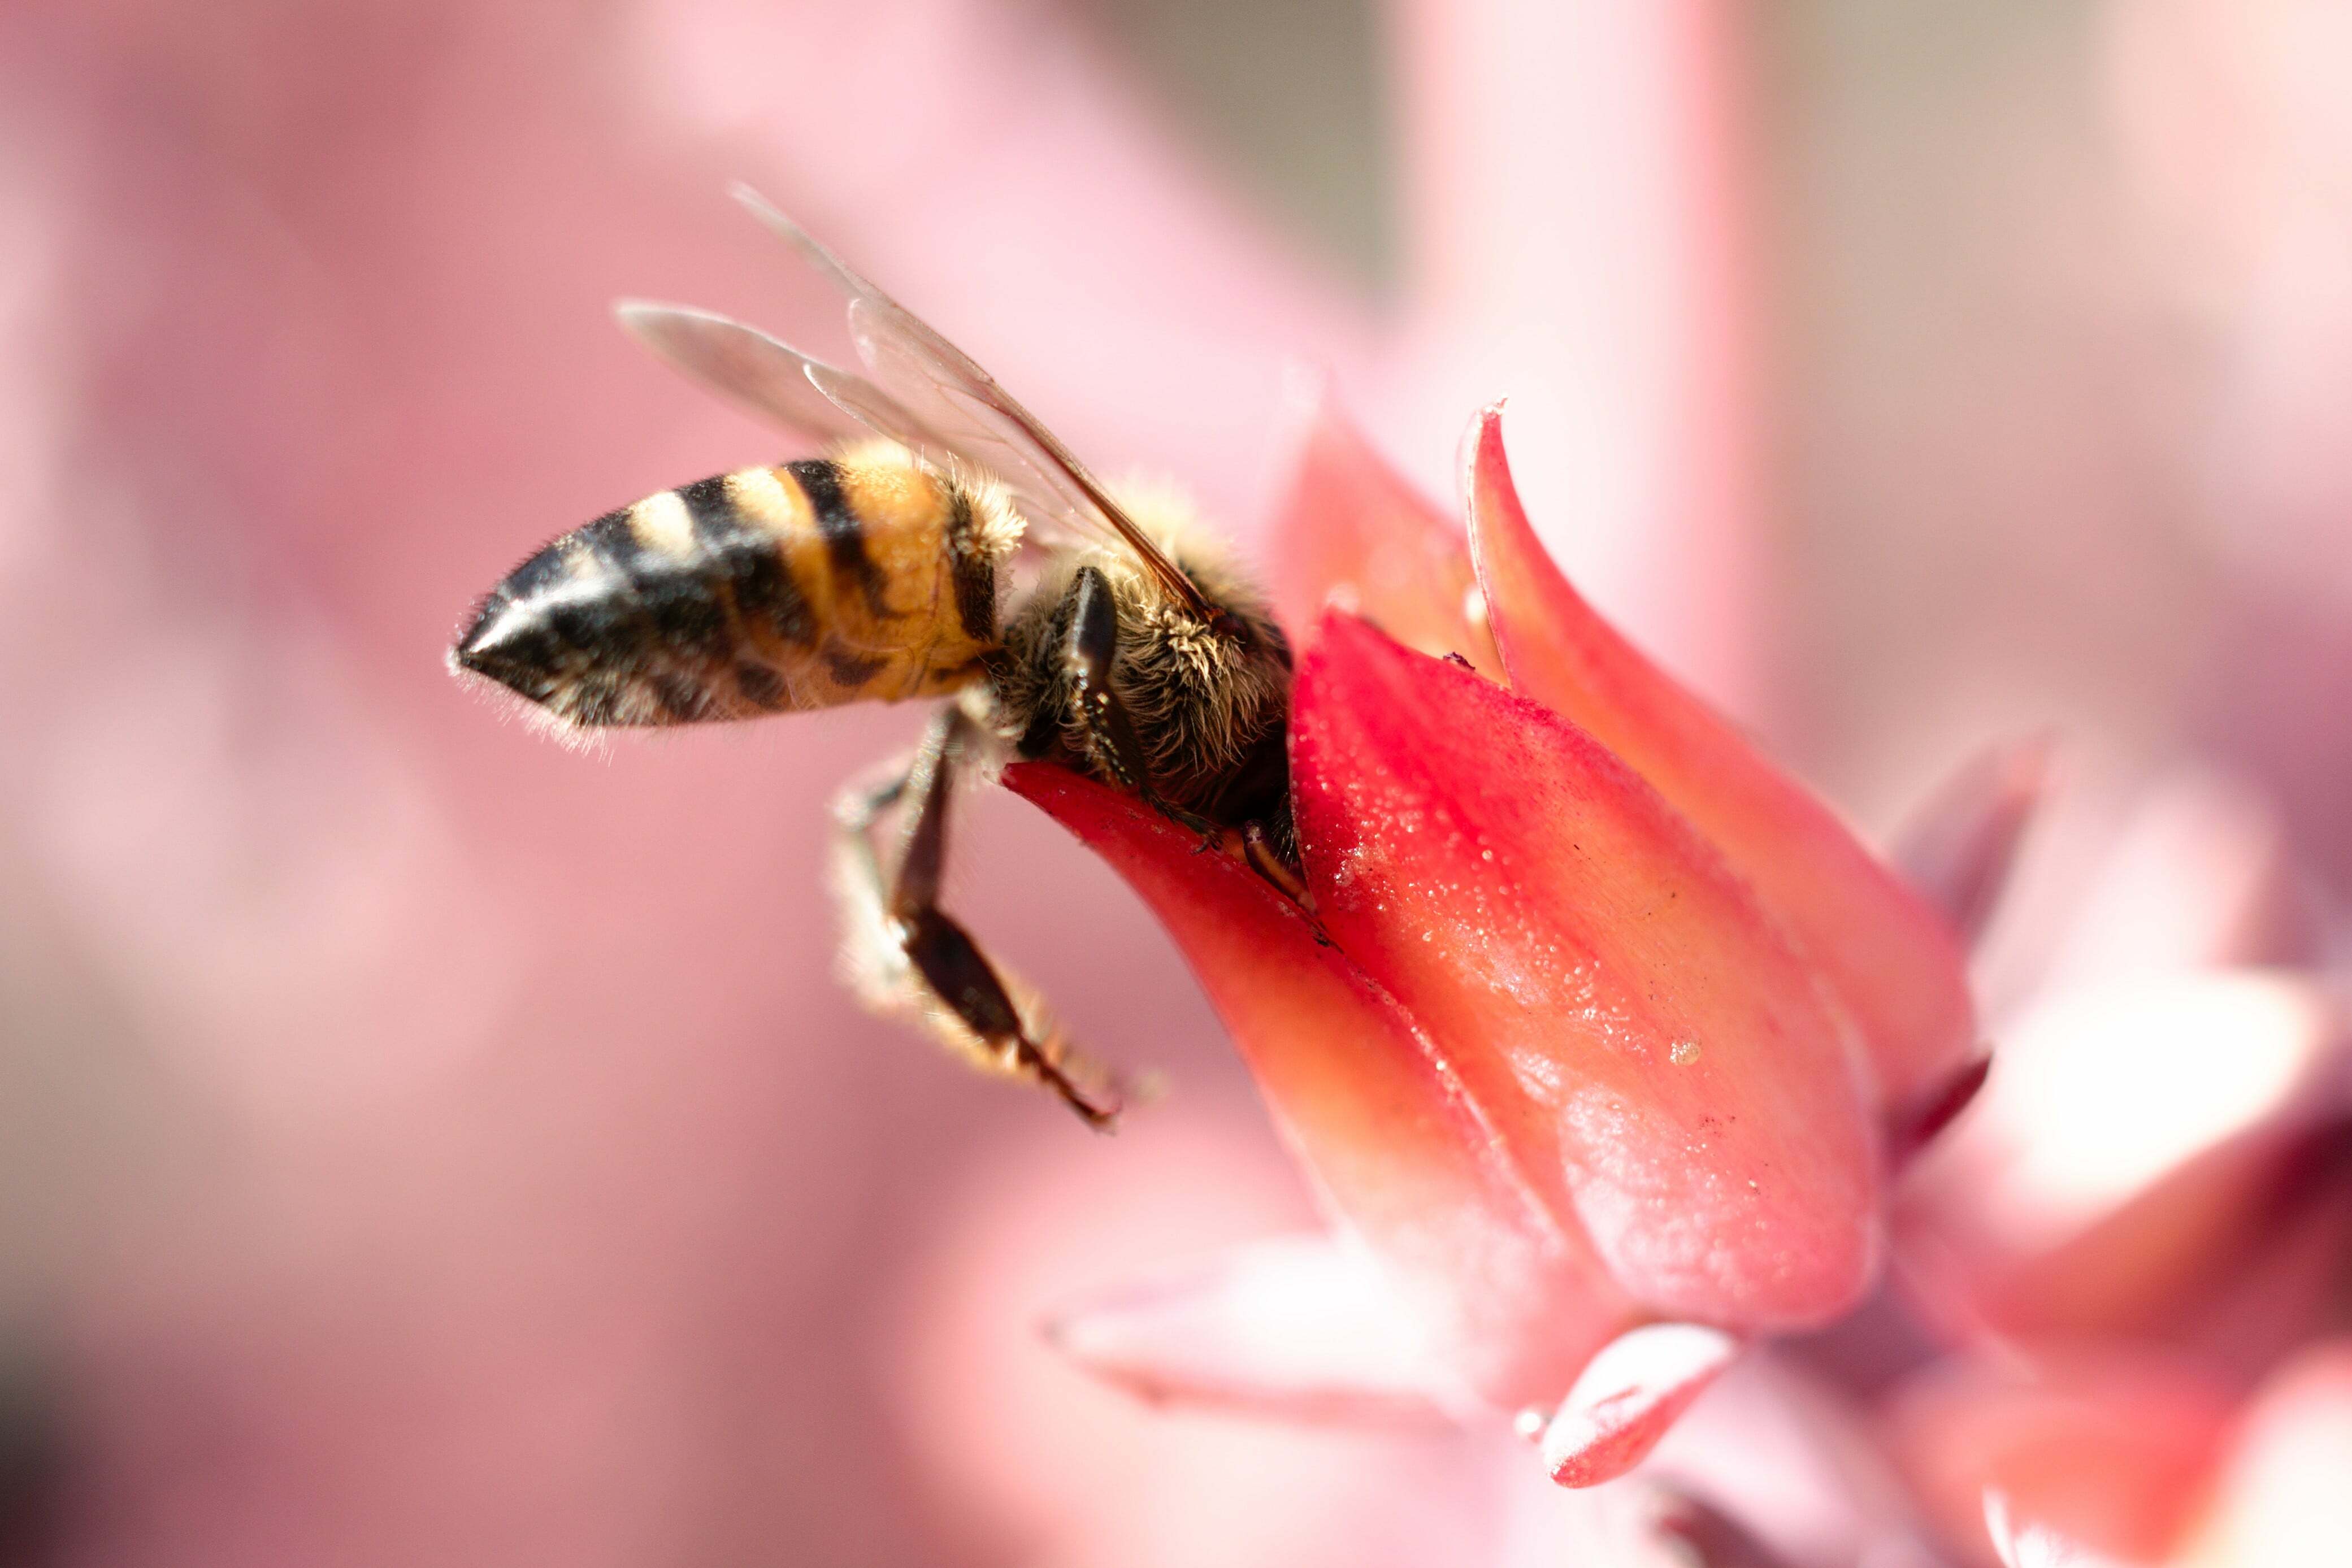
{"points": [[908, 957]]}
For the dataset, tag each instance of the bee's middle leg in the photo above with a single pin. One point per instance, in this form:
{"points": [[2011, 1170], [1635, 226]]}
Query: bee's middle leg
{"points": [[944, 959]]}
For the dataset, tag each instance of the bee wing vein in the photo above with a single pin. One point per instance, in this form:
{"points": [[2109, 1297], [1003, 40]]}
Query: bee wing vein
{"points": [[767, 376], [938, 390]]}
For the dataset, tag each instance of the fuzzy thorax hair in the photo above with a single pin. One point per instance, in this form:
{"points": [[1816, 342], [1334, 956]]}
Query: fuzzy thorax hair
{"points": [[1199, 702]]}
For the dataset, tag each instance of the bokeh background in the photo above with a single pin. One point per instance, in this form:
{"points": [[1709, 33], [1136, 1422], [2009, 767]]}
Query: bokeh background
{"points": [[422, 1143]]}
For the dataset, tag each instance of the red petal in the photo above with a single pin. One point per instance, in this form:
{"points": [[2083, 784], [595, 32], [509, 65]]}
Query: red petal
{"points": [[1623, 1402], [1649, 1051], [1890, 959], [1349, 530], [1512, 1298], [1304, 1328]]}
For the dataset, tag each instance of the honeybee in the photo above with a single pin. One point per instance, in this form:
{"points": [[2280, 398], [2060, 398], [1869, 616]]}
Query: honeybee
{"points": [[1130, 649]]}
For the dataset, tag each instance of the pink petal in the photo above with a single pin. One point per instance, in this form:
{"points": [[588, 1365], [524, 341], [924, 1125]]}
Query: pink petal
{"points": [[2096, 1455], [1511, 1297], [1889, 957], [2281, 1281], [2032, 1545], [1783, 1450], [1694, 1531], [1349, 530], [1624, 1401], [1304, 1328], [2122, 1152], [2284, 1498], [1649, 1052], [2199, 873], [1961, 848]]}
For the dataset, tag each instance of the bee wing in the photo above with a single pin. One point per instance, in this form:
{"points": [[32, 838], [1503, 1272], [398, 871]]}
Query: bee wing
{"points": [[766, 376], [940, 390]]}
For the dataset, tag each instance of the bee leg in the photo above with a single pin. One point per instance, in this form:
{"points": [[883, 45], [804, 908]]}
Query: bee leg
{"points": [[1089, 650], [1257, 848], [942, 956], [1259, 853]]}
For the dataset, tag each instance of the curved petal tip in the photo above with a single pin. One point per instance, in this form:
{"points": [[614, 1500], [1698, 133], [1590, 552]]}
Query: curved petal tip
{"points": [[1958, 851], [1349, 531], [1890, 959], [1303, 1328], [1624, 1401]]}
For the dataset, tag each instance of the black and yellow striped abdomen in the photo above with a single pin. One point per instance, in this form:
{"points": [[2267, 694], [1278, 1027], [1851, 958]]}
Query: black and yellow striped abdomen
{"points": [[869, 576]]}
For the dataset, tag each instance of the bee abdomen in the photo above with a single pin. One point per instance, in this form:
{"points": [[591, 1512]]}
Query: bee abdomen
{"points": [[640, 617], [749, 593], [708, 577]]}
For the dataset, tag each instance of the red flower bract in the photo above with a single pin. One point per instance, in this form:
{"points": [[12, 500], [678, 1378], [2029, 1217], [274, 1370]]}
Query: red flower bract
{"points": [[1889, 958], [1568, 1069], [1655, 1057], [1396, 1144]]}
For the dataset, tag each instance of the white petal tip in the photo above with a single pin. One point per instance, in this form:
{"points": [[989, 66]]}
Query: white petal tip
{"points": [[1628, 1397], [1301, 1329]]}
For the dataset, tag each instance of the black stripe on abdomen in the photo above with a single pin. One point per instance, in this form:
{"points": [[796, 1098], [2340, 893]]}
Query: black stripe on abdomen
{"points": [[761, 686], [670, 589], [750, 559], [843, 530], [604, 624], [850, 670]]}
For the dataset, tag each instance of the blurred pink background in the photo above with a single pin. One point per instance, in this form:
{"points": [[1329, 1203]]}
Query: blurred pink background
{"points": [[424, 1144]]}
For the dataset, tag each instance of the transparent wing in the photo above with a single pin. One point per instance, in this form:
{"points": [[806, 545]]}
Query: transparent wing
{"points": [[767, 377], [939, 390]]}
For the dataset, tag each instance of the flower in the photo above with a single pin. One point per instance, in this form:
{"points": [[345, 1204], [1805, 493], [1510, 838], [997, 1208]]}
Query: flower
{"points": [[416, 1111], [2134, 1240], [2161, 1153], [2138, 1460], [1598, 1036]]}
